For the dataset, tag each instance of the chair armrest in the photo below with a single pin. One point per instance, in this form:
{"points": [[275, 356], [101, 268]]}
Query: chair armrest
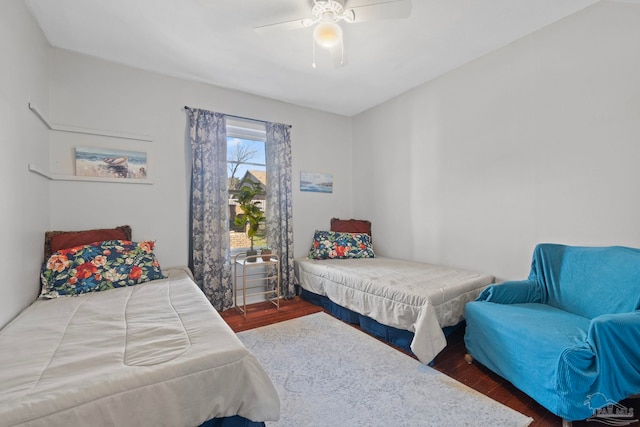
{"points": [[621, 329], [514, 292], [614, 339]]}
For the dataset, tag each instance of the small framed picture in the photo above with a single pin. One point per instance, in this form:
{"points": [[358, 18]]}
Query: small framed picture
{"points": [[316, 182]]}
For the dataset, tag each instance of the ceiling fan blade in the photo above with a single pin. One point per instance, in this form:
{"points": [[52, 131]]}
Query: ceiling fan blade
{"points": [[392, 9], [296, 24]]}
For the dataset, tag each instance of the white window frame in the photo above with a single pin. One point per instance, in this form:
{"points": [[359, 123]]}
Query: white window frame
{"points": [[248, 129]]}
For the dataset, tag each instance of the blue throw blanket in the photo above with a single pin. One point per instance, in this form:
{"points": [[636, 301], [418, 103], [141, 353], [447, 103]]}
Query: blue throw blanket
{"points": [[569, 332]]}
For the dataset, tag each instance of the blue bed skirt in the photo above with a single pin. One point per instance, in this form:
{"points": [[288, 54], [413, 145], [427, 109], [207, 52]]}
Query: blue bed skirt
{"points": [[236, 421], [398, 337]]}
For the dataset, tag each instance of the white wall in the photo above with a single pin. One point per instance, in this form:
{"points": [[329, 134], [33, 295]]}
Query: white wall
{"points": [[535, 142], [23, 139], [538, 141], [87, 92]]}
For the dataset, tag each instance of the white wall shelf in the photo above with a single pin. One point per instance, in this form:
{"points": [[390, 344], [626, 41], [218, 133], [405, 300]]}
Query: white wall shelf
{"points": [[58, 177], [87, 131]]}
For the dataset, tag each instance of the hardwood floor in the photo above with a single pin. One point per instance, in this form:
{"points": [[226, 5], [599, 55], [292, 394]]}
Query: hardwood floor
{"points": [[450, 362], [265, 313]]}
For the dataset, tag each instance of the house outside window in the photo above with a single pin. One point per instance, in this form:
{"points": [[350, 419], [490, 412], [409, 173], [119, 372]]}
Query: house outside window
{"points": [[246, 164]]}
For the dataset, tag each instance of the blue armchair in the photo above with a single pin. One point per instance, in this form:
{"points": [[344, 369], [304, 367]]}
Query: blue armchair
{"points": [[568, 332]]}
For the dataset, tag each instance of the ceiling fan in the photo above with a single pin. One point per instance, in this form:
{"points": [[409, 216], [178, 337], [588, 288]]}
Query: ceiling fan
{"points": [[326, 14]]}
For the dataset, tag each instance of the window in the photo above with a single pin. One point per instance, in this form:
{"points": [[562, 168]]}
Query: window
{"points": [[246, 164]]}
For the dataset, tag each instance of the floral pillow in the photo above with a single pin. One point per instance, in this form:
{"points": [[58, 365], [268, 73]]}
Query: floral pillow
{"points": [[98, 267], [333, 244]]}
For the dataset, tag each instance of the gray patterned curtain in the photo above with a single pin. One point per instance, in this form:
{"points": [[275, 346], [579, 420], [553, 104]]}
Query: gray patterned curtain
{"points": [[279, 212], [209, 239]]}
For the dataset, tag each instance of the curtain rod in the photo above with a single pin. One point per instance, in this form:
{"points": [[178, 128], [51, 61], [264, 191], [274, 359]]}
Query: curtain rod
{"points": [[240, 117]]}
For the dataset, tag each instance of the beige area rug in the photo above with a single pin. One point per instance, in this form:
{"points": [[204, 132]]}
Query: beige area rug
{"points": [[328, 373]]}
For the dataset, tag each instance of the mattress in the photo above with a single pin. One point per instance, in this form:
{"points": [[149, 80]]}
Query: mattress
{"points": [[155, 354], [418, 297]]}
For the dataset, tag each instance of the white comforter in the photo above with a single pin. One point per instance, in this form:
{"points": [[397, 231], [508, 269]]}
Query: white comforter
{"points": [[155, 354], [418, 297]]}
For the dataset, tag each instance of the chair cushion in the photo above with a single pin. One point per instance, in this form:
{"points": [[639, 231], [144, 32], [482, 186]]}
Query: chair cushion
{"points": [[526, 343]]}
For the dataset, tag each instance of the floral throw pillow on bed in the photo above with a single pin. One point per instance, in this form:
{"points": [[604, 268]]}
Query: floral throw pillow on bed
{"points": [[334, 244], [98, 267]]}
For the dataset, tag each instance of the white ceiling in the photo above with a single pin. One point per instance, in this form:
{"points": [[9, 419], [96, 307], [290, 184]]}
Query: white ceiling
{"points": [[213, 41]]}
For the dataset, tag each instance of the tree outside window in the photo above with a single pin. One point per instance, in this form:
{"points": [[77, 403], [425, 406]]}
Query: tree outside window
{"points": [[246, 166]]}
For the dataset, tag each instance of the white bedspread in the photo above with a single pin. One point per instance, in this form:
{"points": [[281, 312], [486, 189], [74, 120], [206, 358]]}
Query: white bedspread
{"points": [[418, 297], [155, 354]]}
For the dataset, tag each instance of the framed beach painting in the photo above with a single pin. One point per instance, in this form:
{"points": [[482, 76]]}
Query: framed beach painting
{"points": [[109, 163], [316, 182]]}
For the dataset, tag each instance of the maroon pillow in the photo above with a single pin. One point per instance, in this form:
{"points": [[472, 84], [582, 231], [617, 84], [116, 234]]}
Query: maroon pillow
{"points": [[351, 226], [57, 240]]}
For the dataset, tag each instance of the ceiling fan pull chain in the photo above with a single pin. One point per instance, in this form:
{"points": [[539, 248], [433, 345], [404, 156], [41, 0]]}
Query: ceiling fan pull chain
{"points": [[313, 43]]}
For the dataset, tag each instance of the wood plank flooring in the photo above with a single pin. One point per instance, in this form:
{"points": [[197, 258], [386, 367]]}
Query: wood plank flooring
{"points": [[265, 313], [450, 362]]}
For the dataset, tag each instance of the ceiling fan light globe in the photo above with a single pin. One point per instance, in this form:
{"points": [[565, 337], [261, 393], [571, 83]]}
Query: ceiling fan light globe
{"points": [[327, 34]]}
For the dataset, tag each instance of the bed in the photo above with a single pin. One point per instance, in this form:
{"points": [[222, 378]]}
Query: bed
{"points": [[154, 353], [408, 303]]}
